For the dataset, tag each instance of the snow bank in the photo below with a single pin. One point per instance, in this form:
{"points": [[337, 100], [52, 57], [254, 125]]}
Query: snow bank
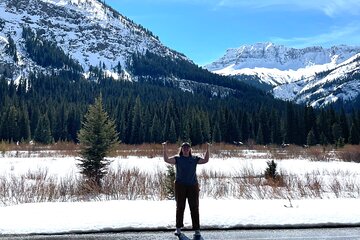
{"points": [[149, 215]]}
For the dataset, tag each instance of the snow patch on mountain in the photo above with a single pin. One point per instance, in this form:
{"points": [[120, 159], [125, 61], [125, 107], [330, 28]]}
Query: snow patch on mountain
{"points": [[300, 75], [340, 83]]}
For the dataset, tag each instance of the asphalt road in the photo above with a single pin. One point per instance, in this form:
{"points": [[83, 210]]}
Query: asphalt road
{"points": [[286, 234]]}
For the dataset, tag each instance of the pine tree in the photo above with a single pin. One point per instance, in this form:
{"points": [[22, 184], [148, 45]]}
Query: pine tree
{"points": [[43, 131], [275, 136], [206, 128], [24, 126], [196, 131], [60, 128], [344, 125], [170, 117], [260, 136], [216, 135], [13, 124], [122, 121], [290, 129], [271, 170], [155, 130], [169, 182], [185, 129], [336, 132], [244, 127], [309, 119], [137, 131], [354, 137], [172, 133], [34, 119], [97, 137], [233, 130], [324, 128], [73, 124], [311, 140], [147, 125]]}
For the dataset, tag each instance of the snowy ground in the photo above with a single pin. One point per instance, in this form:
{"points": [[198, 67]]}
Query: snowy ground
{"points": [[128, 215], [140, 214]]}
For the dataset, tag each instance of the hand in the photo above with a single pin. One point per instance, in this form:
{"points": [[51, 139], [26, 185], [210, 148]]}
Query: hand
{"points": [[208, 145]]}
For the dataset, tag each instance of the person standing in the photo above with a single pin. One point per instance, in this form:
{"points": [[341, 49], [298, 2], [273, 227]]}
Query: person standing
{"points": [[186, 184]]}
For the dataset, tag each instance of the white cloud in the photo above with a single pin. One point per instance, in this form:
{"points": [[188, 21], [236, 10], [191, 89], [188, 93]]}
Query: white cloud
{"points": [[349, 35], [335, 7]]}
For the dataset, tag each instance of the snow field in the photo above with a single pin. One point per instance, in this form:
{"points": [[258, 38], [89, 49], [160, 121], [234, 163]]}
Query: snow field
{"points": [[222, 178]]}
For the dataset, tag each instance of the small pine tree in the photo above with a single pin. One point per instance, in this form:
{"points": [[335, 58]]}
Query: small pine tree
{"points": [[97, 137], [169, 182], [271, 175], [271, 171]]}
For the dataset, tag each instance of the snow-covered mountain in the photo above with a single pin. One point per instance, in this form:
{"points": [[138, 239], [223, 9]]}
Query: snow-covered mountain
{"points": [[88, 31], [314, 75]]}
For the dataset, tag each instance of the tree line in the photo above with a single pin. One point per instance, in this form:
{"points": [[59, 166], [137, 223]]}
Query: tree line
{"points": [[50, 108]]}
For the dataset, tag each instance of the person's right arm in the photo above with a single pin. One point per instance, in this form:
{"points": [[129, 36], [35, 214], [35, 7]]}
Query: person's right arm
{"points": [[170, 160]]}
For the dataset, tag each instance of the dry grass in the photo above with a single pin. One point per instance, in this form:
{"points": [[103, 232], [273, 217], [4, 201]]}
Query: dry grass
{"points": [[132, 184], [349, 153]]}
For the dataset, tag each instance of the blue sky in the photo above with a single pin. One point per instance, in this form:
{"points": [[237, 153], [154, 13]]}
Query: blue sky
{"points": [[204, 29]]}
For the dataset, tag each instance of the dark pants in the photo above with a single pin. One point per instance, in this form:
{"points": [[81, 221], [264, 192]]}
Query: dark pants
{"points": [[183, 192]]}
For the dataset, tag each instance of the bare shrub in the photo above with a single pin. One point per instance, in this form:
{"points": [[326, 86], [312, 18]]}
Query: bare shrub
{"points": [[336, 187], [88, 189], [213, 184], [3, 147], [133, 184], [39, 175], [314, 185], [278, 154], [317, 154], [350, 153]]}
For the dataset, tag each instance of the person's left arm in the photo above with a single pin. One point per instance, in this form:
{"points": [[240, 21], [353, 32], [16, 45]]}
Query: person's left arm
{"points": [[207, 155]]}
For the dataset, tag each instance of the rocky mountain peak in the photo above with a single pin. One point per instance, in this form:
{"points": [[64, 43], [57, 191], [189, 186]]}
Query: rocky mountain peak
{"points": [[269, 55], [89, 31], [313, 75]]}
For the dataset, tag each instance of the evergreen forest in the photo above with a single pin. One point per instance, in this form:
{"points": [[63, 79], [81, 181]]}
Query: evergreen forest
{"points": [[50, 108]]}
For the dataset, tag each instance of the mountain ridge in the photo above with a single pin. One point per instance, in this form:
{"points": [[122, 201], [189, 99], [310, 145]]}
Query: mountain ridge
{"points": [[279, 70], [269, 55]]}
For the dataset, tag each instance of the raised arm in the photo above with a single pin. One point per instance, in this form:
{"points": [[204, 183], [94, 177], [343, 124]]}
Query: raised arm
{"points": [[170, 160], [207, 155]]}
